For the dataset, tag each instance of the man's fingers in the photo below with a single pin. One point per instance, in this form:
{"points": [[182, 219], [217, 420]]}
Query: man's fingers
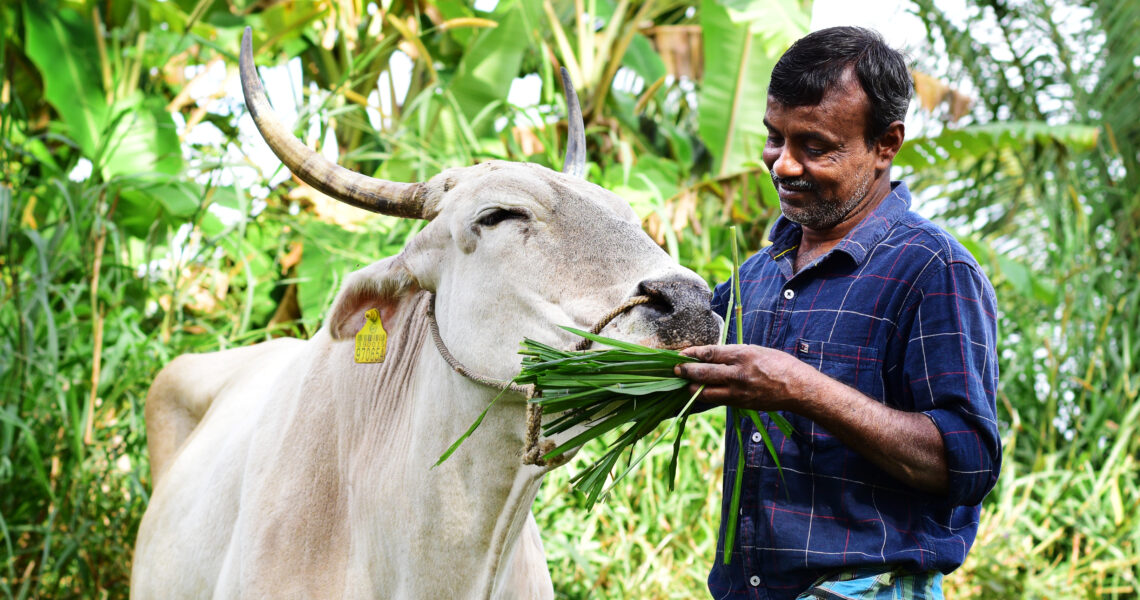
{"points": [[713, 354], [717, 395], [711, 370], [698, 352], [706, 373], [711, 394]]}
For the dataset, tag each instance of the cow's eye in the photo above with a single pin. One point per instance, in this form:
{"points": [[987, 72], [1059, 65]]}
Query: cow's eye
{"points": [[499, 215]]}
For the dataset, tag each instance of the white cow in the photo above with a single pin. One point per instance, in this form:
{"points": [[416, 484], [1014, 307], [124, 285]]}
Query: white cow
{"points": [[287, 470]]}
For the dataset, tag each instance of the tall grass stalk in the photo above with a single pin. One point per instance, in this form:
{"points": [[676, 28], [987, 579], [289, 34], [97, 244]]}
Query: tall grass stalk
{"points": [[736, 309]]}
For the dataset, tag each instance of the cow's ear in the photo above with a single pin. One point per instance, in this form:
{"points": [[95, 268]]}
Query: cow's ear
{"points": [[381, 285]]}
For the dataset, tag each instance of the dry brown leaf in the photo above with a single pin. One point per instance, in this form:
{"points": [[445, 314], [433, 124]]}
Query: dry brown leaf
{"points": [[930, 90], [205, 288], [528, 141], [960, 104], [288, 310], [653, 227], [290, 259], [680, 48], [183, 98], [28, 217], [933, 92]]}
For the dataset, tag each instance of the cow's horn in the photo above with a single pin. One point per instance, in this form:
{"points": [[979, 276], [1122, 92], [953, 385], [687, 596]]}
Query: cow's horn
{"points": [[575, 162], [376, 195]]}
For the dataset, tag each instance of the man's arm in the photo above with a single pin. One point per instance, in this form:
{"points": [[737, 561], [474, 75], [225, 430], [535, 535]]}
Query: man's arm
{"points": [[905, 444]]}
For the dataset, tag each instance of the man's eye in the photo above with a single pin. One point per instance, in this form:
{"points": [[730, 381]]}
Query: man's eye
{"points": [[498, 216], [813, 151]]}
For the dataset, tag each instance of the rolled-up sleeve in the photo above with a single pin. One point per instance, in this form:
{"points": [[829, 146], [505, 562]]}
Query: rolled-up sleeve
{"points": [[951, 367]]}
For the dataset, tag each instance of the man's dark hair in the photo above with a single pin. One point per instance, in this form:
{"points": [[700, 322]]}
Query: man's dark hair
{"points": [[817, 62]]}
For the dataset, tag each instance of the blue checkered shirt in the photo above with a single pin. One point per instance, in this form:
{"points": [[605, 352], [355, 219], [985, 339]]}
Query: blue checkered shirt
{"points": [[900, 311]]}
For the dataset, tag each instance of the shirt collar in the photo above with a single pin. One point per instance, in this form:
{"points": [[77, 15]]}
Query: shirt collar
{"points": [[786, 234]]}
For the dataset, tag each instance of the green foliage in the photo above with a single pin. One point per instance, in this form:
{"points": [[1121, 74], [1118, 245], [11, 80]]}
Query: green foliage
{"points": [[664, 540], [491, 62], [743, 41], [71, 494], [126, 238]]}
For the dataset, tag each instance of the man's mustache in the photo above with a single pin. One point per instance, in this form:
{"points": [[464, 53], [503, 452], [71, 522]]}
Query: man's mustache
{"points": [[795, 185]]}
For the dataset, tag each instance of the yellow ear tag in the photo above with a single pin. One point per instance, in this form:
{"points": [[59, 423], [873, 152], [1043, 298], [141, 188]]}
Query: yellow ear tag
{"points": [[372, 340]]}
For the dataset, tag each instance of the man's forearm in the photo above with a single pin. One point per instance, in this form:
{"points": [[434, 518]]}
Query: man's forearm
{"points": [[907, 445]]}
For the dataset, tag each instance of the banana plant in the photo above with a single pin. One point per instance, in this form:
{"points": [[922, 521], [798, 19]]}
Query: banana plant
{"points": [[743, 41]]}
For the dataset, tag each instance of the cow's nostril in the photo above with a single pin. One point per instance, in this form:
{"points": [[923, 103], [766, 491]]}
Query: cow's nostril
{"points": [[658, 294], [677, 295]]}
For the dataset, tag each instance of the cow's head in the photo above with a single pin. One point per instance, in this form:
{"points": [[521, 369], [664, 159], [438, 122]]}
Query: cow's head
{"points": [[510, 250]]}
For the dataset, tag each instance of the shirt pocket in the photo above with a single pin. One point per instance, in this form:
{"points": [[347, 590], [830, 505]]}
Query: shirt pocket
{"points": [[856, 366]]}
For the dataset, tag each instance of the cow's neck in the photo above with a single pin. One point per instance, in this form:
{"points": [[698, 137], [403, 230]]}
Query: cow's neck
{"points": [[464, 514]]}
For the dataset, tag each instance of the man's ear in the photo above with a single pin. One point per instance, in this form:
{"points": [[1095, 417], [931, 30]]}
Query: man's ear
{"points": [[381, 285], [888, 144]]}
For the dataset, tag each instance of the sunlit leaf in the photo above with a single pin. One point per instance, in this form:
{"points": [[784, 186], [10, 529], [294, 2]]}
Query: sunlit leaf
{"points": [[71, 78], [743, 39], [958, 146], [141, 139], [492, 61]]}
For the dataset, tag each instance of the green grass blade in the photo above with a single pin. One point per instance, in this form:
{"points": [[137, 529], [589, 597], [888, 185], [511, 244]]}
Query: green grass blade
{"points": [[629, 346], [677, 422], [677, 448], [755, 416], [455, 446], [611, 422], [734, 505], [782, 423], [738, 309]]}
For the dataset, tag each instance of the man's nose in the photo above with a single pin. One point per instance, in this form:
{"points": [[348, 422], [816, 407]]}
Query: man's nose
{"points": [[786, 165]]}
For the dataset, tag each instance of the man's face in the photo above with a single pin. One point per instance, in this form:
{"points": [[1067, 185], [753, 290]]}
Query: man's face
{"points": [[818, 156]]}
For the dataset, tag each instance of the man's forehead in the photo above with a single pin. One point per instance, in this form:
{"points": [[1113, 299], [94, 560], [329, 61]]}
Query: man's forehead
{"points": [[843, 103]]}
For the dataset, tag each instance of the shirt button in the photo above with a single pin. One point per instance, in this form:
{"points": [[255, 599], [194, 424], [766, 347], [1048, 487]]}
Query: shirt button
{"points": [[756, 439], [754, 580], [789, 294]]}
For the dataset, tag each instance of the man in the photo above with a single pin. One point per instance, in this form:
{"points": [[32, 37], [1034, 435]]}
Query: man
{"points": [[873, 332]]}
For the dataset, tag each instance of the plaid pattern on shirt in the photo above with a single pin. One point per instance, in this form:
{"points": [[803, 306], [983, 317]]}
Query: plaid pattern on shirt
{"points": [[900, 311]]}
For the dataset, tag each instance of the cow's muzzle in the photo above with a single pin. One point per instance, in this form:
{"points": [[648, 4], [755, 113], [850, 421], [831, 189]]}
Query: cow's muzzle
{"points": [[679, 312]]}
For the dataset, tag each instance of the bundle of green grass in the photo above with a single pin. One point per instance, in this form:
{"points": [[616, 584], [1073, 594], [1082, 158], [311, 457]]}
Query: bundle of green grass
{"points": [[598, 391], [626, 385]]}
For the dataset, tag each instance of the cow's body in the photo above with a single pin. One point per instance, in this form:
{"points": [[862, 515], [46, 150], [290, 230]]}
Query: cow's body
{"points": [[280, 490], [287, 470]]}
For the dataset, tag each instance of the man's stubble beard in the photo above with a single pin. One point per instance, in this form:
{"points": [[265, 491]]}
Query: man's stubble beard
{"points": [[828, 213]]}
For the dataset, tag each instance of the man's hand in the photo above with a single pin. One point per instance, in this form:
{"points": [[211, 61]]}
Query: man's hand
{"points": [[905, 444], [748, 377]]}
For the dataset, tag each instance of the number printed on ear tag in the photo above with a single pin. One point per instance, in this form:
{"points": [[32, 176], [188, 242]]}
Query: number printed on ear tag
{"points": [[372, 340]]}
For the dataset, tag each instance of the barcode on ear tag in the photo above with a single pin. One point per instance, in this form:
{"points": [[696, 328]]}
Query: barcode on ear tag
{"points": [[371, 340]]}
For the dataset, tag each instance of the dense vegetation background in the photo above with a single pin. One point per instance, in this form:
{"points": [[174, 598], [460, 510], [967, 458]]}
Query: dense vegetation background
{"points": [[134, 227]]}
